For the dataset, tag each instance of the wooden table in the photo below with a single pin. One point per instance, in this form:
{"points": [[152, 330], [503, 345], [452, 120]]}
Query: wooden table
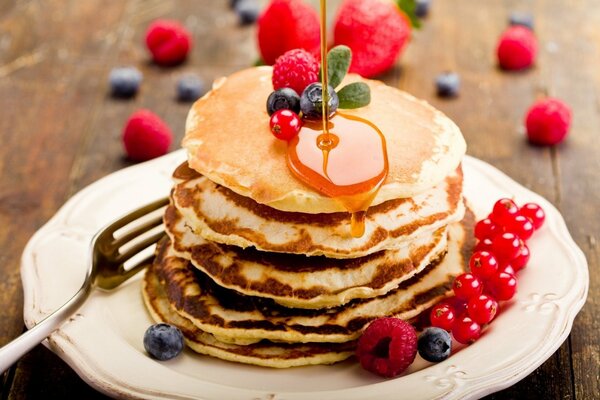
{"points": [[61, 131]]}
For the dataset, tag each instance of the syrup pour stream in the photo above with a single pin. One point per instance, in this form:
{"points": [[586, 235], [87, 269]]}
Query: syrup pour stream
{"points": [[343, 157]]}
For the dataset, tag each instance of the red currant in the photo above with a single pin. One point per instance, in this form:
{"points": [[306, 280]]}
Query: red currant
{"points": [[442, 316], [285, 124], [486, 228], [521, 260], [535, 213], [521, 226], [467, 286], [506, 246], [506, 267], [482, 309], [465, 330], [503, 285], [504, 211], [485, 244], [459, 306], [483, 264]]}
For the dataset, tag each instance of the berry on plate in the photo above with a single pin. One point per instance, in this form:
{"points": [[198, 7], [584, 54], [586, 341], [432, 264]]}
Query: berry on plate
{"points": [[506, 246], [124, 81], [447, 84], [482, 309], [466, 286], [168, 41], [484, 245], [190, 88], [504, 211], [285, 25], [521, 226], [283, 99], [387, 347], [442, 316], [163, 341], [522, 258], [422, 8], [376, 31], [285, 124], [466, 331], [535, 213], [503, 286], [548, 122], [483, 264], [311, 101], [486, 228], [434, 344], [295, 69], [146, 136], [517, 48]]}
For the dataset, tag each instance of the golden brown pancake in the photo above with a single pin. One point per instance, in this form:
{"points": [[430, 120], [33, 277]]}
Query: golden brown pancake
{"points": [[236, 318], [263, 353], [220, 215], [228, 140], [299, 281]]}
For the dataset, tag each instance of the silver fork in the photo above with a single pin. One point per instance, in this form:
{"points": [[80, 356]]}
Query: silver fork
{"points": [[106, 270]]}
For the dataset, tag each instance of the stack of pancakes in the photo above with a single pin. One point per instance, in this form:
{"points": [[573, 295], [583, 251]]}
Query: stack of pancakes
{"points": [[259, 268]]}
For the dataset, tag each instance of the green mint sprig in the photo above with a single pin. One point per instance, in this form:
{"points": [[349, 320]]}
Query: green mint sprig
{"points": [[409, 8], [353, 95]]}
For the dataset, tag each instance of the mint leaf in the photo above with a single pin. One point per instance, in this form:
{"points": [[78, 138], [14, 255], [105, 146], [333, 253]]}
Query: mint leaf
{"points": [[409, 7], [259, 62], [354, 95], [338, 62]]}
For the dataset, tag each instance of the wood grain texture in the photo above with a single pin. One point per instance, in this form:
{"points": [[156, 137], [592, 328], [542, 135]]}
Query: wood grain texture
{"points": [[61, 131]]}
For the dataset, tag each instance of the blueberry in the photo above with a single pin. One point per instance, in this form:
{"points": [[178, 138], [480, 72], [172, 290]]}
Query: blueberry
{"points": [[447, 84], [283, 99], [311, 101], [434, 344], [190, 88], [422, 8], [233, 3], [124, 81], [247, 11], [521, 18], [163, 341]]}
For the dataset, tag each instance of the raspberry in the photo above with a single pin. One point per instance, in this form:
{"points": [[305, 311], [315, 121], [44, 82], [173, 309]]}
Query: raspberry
{"points": [[387, 347], [517, 48], [548, 122], [168, 41], [376, 31], [146, 136], [295, 69], [285, 25]]}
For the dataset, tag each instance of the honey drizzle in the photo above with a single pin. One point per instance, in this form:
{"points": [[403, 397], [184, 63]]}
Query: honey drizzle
{"points": [[345, 182]]}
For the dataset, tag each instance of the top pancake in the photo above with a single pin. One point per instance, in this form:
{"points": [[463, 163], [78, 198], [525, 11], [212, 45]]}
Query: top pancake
{"points": [[228, 140]]}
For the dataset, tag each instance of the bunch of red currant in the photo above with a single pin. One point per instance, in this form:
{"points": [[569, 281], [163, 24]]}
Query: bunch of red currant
{"points": [[499, 254]]}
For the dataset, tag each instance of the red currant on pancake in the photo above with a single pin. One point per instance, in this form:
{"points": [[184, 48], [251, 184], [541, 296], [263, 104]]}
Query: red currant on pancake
{"points": [[466, 286], [535, 213], [465, 330], [503, 285], [521, 226], [482, 309], [486, 228], [483, 264], [285, 124], [521, 260], [504, 211], [442, 316], [506, 246]]}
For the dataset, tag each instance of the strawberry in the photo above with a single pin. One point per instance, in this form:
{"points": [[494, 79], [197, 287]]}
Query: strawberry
{"points": [[375, 30], [285, 25]]}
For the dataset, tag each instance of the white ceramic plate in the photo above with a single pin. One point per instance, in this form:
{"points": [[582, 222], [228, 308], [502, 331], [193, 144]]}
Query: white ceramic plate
{"points": [[103, 341]]}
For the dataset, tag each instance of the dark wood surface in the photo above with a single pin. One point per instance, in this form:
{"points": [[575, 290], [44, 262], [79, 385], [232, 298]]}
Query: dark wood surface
{"points": [[60, 131]]}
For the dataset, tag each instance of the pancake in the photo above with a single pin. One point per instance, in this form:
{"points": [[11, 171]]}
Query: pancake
{"points": [[235, 318], [264, 353], [221, 215], [299, 281], [228, 140]]}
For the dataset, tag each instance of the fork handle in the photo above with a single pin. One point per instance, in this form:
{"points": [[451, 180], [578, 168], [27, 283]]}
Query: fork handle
{"points": [[17, 348]]}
